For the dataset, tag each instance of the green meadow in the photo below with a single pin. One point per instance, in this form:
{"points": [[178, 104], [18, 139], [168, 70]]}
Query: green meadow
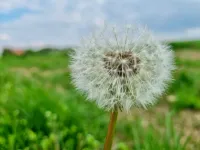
{"points": [[41, 110]]}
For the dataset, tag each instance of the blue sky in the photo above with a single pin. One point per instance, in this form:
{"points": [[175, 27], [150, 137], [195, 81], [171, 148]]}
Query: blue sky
{"points": [[13, 14], [36, 23]]}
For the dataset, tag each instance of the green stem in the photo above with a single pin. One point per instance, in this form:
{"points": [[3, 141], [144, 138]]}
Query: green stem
{"points": [[111, 129]]}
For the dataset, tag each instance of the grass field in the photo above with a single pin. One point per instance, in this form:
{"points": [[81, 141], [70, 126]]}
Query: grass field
{"points": [[41, 110]]}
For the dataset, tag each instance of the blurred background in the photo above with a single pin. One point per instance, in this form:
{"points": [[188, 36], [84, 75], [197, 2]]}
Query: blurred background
{"points": [[40, 108]]}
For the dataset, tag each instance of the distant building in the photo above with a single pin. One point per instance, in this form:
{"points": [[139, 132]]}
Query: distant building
{"points": [[18, 52]]}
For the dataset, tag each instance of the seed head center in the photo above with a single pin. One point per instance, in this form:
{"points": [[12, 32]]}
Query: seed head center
{"points": [[121, 63]]}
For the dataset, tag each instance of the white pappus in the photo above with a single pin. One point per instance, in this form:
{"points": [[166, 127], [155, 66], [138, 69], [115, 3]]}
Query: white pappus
{"points": [[122, 68]]}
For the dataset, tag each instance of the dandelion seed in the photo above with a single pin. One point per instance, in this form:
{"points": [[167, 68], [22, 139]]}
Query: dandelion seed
{"points": [[122, 68]]}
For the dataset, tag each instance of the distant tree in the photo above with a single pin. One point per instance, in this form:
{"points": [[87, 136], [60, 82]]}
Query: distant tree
{"points": [[45, 50], [7, 52], [29, 52]]}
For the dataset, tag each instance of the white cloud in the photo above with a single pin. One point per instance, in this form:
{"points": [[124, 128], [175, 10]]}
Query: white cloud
{"points": [[193, 32], [8, 5], [187, 34], [4, 37], [100, 2], [55, 24], [64, 22], [99, 22]]}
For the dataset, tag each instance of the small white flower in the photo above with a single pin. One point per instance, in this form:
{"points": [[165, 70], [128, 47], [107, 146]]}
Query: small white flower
{"points": [[122, 68]]}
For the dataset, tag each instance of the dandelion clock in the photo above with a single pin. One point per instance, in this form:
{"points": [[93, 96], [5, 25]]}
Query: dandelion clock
{"points": [[121, 68]]}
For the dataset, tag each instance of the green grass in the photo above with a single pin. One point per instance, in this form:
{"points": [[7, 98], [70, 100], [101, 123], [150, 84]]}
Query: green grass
{"points": [[186, 89], [38, 117], [52, 60], [40, 109], [188, 63], [181, 45], [151, 139], [46, 117]]}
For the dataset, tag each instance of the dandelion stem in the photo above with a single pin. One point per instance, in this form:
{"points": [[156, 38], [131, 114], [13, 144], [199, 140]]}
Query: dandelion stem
{"points": [[111, 129]]}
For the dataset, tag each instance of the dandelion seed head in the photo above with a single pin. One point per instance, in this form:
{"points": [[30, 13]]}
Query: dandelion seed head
{"points": [[122, 68], [121, 64]]}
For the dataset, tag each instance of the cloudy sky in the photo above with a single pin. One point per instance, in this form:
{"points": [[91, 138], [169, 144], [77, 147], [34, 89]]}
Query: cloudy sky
{"points": [[63, 22]]}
